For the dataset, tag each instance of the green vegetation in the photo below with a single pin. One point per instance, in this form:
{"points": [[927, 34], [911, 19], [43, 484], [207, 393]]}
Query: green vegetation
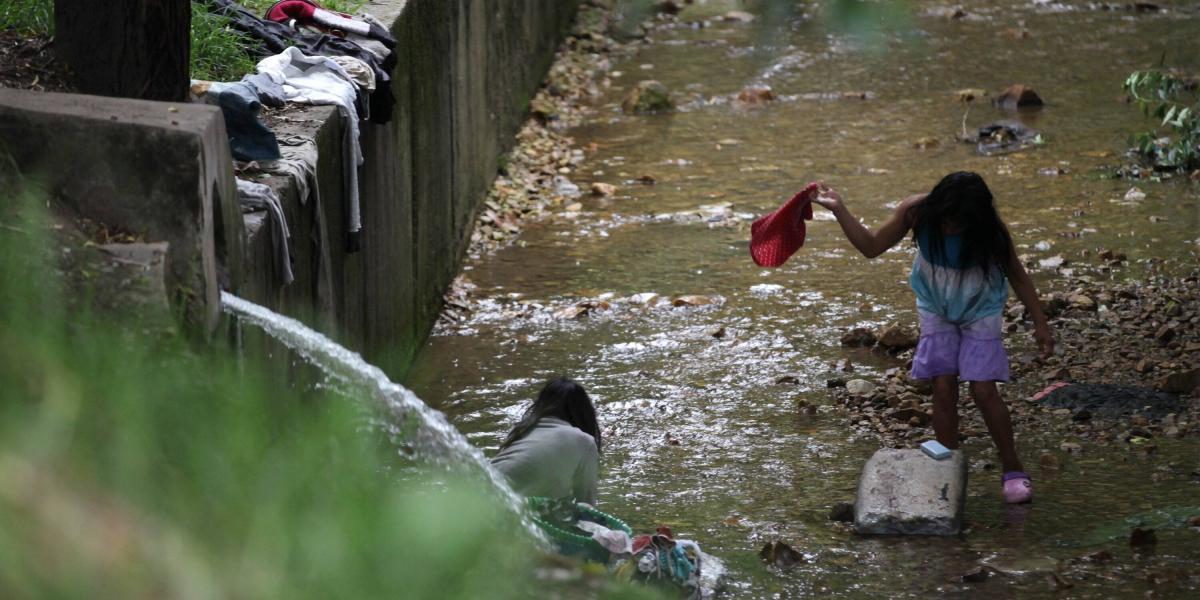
{"points": [[218, 52], [133, 466], [1173, 99], [28, 16]]}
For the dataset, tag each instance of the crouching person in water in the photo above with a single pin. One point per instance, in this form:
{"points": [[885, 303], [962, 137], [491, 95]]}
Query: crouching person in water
{"points": [[960, 276], [554, 451]]}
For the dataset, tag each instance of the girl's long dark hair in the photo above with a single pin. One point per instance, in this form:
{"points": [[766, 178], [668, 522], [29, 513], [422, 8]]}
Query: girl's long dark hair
{"points": [[962, 201], [562, 398]]}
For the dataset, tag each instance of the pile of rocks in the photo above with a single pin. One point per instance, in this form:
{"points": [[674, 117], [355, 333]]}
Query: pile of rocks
{"points": [[534, 177]]}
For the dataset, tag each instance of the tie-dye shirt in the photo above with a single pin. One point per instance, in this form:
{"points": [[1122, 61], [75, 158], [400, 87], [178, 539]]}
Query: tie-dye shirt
{"points": [[955, 294]]}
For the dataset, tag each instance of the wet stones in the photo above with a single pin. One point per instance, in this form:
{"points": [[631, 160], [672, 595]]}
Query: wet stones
{"points": [[859, 337], [1142, 540], [976, 575], [691, 300], [756, 95], [1081, 302], [603, 189], [893, 338], [860, 387], [904, 492], [737, 16], [647, 97], [843, 512], [1180, 382], [897, 338], [1003, 137], [1018, 96], [670, 7], [780, 555]]}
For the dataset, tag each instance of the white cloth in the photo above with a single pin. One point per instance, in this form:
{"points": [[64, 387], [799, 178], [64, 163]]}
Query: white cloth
{"points": [[321, 80], [358, 70], [613, 540]]}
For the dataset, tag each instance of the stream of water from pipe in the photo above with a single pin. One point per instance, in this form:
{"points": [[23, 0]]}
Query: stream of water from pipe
{"points": [[426, 431]]}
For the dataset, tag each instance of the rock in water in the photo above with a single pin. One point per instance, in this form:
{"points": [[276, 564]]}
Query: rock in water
{"points": [[756, 94], [780, 554], [859, 387], [898, 337], [1180, 382], [648, 97], [859, 336], [904, 492], [1018, 96], [842, 512]]}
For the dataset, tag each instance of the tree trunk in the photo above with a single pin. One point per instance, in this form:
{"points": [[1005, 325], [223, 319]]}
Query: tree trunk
{"points": [[126, 48]]}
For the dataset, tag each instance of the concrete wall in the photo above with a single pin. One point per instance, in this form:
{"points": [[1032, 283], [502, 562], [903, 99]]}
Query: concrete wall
{"points": [[466, 72], [158, 170]]}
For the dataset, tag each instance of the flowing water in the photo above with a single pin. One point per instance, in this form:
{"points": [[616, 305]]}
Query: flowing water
{"points": [[424, 432], [698, 435]]}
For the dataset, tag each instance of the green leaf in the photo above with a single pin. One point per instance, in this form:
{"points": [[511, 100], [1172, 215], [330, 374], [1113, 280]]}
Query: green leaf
{"points": [[1170, 115]]}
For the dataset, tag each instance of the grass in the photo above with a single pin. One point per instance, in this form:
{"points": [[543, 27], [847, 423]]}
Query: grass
{"points": [[134, 465], [148, 468], [218, 52], [28, 16]]}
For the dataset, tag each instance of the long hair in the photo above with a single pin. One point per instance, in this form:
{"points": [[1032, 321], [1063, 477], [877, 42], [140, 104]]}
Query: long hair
{"points": [[564, 399], [962, 201]]}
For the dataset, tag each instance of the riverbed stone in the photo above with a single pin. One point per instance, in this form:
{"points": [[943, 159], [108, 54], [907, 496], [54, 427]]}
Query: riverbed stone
{"points": [[647, 97], [898, 337], [905, 492], [860, 387], [1018, 96], [1180, 382]]}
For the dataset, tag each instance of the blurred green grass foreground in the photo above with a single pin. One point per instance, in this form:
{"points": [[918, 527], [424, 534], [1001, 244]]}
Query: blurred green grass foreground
{"points": [[135, 466]]}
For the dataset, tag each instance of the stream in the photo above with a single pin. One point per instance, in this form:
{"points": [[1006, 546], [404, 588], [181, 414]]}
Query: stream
{"points": [[698, 434]]}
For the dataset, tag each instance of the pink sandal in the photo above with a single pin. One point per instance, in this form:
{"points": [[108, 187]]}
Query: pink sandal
{"points": [[1018, 489]]}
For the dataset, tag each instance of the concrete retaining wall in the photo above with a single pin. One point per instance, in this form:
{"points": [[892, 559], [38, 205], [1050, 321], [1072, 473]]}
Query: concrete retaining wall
{"points": [[158, 170], [466, 72]]}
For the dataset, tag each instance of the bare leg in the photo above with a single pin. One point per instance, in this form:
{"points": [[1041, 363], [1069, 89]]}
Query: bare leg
{"points": [[999, 423], [945, 410]]}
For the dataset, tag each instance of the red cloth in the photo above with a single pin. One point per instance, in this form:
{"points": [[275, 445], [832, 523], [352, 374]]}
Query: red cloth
{"points": [[300, 10], [777, 236]]}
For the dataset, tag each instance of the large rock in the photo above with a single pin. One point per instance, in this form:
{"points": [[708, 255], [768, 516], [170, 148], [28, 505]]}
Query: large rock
{"points": [[756, 94], [904, 492], [898, 337], [647, 97], [1180, 382], [1018, 96]]}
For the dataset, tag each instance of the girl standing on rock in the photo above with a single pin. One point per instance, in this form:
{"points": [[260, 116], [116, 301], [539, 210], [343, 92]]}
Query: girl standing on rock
{"points": [[960, 275]]}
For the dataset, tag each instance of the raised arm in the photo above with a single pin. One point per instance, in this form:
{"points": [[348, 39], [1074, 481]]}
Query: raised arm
{"points": [[1022, 284], [870, 243]]}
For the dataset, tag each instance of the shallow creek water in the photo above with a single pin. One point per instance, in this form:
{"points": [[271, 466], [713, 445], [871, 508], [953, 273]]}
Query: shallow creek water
{"points": [[697, 433]]}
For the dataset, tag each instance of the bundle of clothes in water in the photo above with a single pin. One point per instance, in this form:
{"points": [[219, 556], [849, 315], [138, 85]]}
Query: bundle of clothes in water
{"points": [[657, 558], [309, 55]]}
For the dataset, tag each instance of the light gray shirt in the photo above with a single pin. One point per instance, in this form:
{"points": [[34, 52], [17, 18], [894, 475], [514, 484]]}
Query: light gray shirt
{"points": [[555, 459]]}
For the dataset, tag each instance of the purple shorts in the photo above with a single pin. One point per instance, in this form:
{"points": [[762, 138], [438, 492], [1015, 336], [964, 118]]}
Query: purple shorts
{"points": [[973, 351]]}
